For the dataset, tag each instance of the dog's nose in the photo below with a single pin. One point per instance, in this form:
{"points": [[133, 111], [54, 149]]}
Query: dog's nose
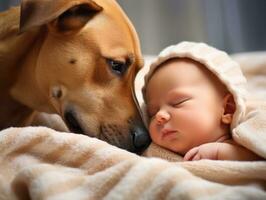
{"points": [[140, 138]]}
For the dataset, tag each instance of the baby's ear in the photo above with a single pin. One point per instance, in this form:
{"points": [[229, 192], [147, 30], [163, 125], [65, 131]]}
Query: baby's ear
{"points": [[229, 108]]}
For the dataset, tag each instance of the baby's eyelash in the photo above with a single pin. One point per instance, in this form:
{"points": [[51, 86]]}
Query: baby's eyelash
{"points": [[180, 102]]}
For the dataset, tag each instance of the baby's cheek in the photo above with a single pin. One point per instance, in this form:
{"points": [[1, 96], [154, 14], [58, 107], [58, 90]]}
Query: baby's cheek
{"points": [[199, 124], [191, 119], [153, 131]]}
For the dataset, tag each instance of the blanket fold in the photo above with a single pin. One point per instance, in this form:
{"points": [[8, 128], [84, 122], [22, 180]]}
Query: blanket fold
{"points": [[40, 163]]}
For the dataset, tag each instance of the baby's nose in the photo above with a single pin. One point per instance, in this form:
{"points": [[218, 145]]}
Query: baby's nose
{"points": [[162, 117]]}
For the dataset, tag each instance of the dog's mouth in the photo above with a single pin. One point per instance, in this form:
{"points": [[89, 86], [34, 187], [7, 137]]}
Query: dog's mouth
{"points": [[72, 122], [113, 134]]}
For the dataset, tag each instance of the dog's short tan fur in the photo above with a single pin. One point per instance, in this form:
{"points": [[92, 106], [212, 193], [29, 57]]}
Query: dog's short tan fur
{"points": [[60, 62]]}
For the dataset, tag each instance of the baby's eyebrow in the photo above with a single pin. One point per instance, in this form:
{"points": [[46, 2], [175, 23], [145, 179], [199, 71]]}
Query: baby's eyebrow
{"points": [[177, 94]]}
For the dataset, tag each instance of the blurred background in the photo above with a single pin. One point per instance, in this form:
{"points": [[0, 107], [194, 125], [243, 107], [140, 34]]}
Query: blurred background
{"points": [[231, 25]]}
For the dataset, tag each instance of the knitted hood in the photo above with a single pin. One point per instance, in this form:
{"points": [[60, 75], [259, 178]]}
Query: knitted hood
{"points": [[218, 62]]}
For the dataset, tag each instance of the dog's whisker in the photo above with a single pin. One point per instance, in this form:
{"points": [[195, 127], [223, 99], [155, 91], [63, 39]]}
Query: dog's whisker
{"points": [[112, 134]]}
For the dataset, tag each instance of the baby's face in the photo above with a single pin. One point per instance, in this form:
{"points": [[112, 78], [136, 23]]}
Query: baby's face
{"points": [[184, 106]]}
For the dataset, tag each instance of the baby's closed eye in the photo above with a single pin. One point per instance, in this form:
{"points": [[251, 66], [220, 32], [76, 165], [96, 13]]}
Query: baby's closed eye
{"points": [[180, 102]]}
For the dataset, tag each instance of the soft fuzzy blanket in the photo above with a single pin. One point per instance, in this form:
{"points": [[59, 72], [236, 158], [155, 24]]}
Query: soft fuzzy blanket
{"points": [[40, 163]]}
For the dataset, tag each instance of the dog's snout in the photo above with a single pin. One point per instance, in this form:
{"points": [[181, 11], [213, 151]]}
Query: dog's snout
{"points": [[140, 138]]}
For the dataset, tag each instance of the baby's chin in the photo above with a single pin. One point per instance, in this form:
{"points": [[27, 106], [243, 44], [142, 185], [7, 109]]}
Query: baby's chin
{"points": [[181, 150]]}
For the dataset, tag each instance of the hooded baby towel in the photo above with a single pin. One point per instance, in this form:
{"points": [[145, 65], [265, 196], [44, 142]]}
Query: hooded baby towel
{"points": [[249, 120]]}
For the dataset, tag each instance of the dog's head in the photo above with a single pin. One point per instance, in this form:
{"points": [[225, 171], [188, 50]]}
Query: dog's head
{"points": [[85, 67]]}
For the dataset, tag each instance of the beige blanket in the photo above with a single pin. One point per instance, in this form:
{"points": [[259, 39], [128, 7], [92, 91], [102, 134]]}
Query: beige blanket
{"points": [[40, 163]]}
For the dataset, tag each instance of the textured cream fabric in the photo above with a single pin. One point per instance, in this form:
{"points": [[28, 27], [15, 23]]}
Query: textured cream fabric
{"points": [[40, 163]]}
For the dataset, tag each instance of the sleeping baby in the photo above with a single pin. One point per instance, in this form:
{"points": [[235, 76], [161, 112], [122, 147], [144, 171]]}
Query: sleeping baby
{"points": [[194, 98]]}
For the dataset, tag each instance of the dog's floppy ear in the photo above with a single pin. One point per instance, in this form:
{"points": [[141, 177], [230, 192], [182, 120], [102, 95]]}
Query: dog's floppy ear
{"points": [[65, 14]]}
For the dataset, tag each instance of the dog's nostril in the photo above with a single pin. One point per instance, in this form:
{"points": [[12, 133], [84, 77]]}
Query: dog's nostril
{"points": [[141, 138]]}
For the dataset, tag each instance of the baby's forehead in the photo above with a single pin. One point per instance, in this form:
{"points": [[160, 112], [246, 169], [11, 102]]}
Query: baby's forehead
{"points": [[184, 67], [191, 71]]}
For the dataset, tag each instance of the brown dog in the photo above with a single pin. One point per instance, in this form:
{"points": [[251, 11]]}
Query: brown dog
{"points": [[76, 58]]}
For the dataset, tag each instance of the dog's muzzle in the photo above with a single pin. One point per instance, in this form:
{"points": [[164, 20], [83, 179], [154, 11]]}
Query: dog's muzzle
{"points": [[138, 138]]}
